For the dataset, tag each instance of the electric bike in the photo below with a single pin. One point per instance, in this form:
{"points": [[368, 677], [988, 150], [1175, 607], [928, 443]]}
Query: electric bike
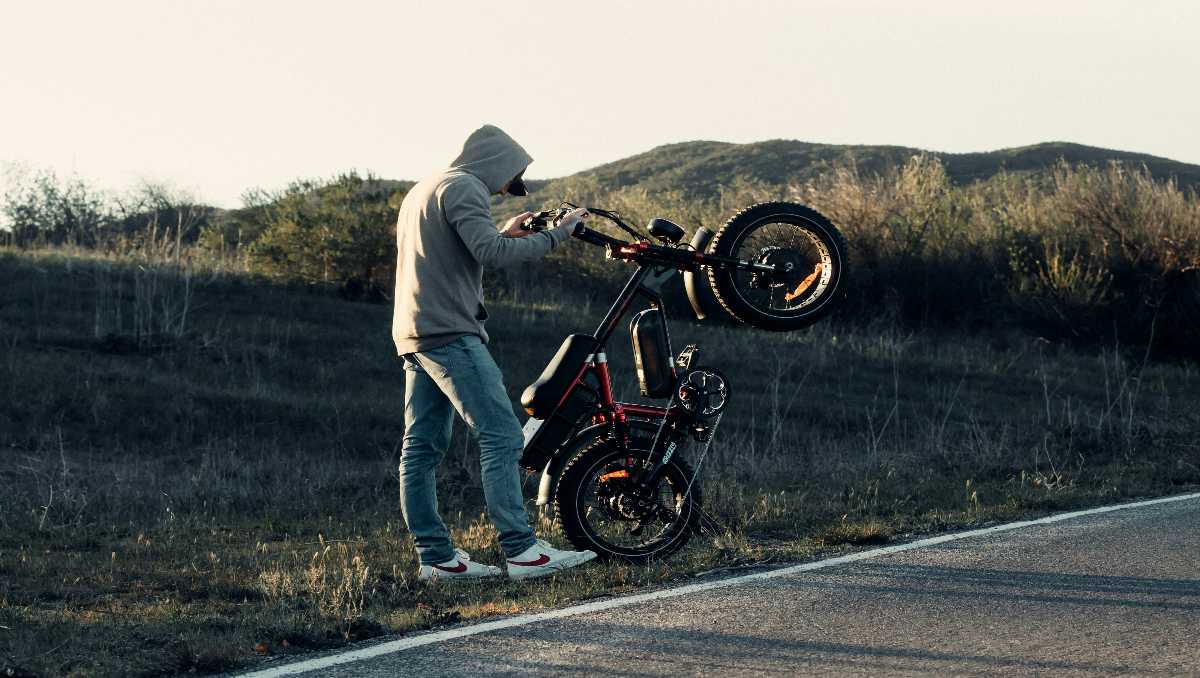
{"points": [[612, 471]]}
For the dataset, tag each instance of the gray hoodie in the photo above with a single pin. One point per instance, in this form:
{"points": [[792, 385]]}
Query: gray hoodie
{"points": [[445, 236]]}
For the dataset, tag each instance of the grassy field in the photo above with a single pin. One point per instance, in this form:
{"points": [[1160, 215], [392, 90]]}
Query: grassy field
{"points": [[198, 469]]}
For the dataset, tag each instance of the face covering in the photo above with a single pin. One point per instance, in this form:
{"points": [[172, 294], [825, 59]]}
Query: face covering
{"points": [[517, 185]]}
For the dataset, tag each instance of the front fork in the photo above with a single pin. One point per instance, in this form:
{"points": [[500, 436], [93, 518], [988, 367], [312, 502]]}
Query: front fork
{"points": [[646, 473]]}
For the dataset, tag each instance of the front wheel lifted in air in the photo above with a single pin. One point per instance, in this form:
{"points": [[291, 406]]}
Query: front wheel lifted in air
{"points": [[808, 256]]}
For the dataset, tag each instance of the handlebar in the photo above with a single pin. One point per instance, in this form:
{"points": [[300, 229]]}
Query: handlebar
{"points": [[640, 250], [540, 220]]}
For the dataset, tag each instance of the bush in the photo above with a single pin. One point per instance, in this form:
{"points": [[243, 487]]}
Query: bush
{"points": [[1084, 254], [340, 231], [1087, 254], [1091, 253], [41, 210]]}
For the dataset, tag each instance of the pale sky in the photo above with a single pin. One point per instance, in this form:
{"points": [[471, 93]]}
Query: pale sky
{"points": [[216, 97]]}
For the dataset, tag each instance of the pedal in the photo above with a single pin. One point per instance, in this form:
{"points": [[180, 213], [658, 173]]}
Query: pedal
{"points": [[686, 357]]}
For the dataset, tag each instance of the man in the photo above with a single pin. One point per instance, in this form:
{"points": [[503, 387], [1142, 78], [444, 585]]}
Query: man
{"points": [[445, 236]]}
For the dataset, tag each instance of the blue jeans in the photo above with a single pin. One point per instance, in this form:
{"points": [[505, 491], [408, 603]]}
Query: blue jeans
{"points": [[460, 376]]}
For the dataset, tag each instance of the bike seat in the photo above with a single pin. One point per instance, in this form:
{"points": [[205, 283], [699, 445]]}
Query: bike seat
{"points": [[541, 397]]}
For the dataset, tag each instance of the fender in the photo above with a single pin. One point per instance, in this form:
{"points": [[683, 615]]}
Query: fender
{"points": [[698, 290], [549, 482]]}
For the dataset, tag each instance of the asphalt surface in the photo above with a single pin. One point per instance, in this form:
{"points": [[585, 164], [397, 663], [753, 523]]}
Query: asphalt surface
{"points": [[1110, 594]]}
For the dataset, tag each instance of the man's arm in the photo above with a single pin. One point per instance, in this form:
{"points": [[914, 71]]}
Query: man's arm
{"points": [[468, 211]]}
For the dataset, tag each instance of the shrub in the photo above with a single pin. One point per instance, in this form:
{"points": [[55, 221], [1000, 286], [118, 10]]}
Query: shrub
{"points": [[327, 231]]}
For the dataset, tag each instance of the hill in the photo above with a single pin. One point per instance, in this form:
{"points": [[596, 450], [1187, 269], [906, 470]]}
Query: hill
{"points": [[699, 167]]}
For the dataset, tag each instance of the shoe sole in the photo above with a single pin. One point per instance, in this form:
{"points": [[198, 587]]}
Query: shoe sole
{"points": [[434, 580], [546, 570], [459, 577]]}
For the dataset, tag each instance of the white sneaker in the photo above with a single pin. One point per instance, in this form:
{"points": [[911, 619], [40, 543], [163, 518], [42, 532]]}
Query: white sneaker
{"points": [[542, 559], [460, 567]]}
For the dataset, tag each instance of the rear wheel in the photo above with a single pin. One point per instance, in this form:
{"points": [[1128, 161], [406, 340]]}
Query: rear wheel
{"points": [[600, 508], [809, 254]]}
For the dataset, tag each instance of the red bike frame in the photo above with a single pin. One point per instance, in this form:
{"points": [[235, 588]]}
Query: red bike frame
{"points": [[645, 282]]}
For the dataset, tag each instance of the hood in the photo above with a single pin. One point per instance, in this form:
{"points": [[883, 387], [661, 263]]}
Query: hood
{"points": [[492, 156]]}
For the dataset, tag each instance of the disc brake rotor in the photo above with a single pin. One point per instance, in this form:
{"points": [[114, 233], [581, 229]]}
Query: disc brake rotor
{"points": [[621, 500]]}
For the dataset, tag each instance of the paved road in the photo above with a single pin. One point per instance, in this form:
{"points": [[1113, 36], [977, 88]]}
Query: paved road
{"points": [[1110, 594]]}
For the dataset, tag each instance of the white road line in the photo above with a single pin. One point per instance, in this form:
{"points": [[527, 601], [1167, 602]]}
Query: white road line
{"points": [[527, 619]]}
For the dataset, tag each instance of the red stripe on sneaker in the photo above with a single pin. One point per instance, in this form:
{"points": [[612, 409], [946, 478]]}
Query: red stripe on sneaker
{"points": [[541, 560], [457, 569]]}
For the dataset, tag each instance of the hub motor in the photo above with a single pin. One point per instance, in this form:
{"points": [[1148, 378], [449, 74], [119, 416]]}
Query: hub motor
{"points": [[788, 264]]}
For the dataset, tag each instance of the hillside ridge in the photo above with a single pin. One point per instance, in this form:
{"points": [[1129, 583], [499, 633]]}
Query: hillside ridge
{"points": [[692, 166]]}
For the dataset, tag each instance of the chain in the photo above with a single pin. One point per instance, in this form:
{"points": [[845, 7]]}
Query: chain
{"points": [[703, 455]]}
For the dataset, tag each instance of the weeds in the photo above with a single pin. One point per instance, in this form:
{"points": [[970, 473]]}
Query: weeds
{"points": [[338, 582], [146, 307]]}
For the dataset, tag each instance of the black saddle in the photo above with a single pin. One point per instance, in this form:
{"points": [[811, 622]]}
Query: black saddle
{"points": [[541, 397]]}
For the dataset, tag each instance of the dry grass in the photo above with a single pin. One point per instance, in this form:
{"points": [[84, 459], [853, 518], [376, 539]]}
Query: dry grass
{"points": [[193, 505], [1092, 255]]}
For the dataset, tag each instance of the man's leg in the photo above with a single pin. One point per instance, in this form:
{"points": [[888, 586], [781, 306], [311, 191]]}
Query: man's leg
{"points": [[428, 421], [469, 377]]}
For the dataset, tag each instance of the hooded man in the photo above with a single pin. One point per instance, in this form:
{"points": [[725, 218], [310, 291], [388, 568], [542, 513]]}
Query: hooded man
{"points": [[445, 235]]}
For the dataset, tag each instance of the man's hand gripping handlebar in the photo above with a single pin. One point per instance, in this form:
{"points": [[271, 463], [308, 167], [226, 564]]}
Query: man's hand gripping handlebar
{"points": [[570, 218]]}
